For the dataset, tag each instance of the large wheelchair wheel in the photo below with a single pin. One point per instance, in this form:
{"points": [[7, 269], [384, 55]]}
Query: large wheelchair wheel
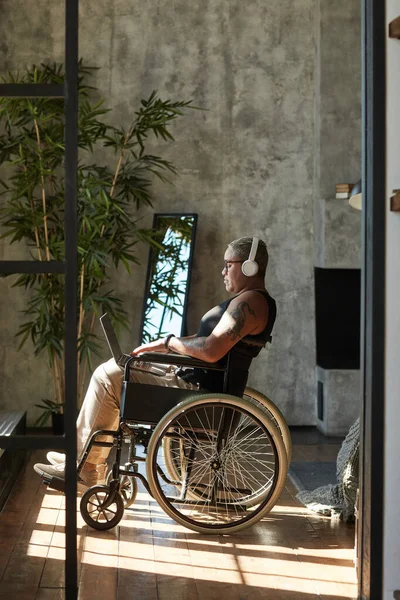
{"points": [[229, 459], [172, 455], [273, 412]]}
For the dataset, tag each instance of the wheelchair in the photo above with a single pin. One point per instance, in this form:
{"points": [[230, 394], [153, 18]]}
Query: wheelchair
{"points": [[214, 462]]}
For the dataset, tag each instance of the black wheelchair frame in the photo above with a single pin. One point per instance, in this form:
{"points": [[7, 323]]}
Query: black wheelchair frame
{"points": [[189, 449]]}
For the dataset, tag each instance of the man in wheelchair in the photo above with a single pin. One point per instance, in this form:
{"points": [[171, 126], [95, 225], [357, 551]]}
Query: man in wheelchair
{"points": [[240, 326]]}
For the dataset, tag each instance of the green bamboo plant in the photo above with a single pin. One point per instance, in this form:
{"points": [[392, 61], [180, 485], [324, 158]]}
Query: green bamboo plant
{"points": [[109, 195]]}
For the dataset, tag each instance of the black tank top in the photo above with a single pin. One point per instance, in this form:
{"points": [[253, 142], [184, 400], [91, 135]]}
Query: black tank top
{"points": [[240, 355]]}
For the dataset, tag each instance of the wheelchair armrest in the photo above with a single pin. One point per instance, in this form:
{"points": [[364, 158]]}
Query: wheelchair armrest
{"points": [[180, 360]]}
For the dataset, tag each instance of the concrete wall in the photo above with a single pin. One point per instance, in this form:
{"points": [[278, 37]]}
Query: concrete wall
{"points": [[391, 511], [338, 99], [247, 163], [337, 159]]}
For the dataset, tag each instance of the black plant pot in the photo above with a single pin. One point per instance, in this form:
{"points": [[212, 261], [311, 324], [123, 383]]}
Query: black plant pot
{"points": [[57, 422]]}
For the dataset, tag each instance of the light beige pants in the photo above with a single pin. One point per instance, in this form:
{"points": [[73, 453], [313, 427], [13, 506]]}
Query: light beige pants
{"points": [[100, 408]]}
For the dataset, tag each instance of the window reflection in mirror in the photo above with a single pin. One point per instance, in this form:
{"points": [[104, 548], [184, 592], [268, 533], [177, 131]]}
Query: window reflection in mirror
{"points": [[168, 277]]}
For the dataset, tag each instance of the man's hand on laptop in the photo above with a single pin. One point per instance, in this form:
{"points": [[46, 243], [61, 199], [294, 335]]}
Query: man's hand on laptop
{"points": [[156, 346]]}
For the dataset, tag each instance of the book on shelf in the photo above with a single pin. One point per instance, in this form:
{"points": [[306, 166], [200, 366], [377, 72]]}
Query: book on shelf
{"points": [[344, 187], [342, 195]]}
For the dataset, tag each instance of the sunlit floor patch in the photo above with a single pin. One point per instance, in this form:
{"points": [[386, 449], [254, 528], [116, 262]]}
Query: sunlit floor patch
{"points": [[290, 551]]}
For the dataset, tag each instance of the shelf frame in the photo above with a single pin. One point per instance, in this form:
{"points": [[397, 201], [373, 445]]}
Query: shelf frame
{"points": [[67, 442]]}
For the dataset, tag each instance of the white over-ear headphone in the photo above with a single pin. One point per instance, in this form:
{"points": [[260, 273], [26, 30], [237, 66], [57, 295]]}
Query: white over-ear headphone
{"points": [[250, 267]]}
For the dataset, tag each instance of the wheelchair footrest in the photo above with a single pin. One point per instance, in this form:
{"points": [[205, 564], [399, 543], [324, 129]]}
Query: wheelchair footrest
{"points": [[223, 505], [55, 483]]}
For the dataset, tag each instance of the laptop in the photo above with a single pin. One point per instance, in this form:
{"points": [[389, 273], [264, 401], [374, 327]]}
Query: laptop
{"points": [[120, 358]]}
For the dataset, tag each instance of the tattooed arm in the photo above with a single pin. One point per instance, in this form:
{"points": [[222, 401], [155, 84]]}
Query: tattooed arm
{"points": [[159, 346], [247, 313]]}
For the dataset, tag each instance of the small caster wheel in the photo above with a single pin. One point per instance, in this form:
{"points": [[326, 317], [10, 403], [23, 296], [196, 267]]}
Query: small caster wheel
{"points": [[128, 488], [95, 509]]}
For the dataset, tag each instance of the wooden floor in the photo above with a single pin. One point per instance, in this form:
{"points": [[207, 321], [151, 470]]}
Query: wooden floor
{"points": [[291, 554]]}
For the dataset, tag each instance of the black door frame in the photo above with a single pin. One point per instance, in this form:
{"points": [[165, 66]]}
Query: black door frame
{"points": [[370, 528]]}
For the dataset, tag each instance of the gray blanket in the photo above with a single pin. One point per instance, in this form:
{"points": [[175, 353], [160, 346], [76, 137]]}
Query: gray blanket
{"points": [[339, 500]]}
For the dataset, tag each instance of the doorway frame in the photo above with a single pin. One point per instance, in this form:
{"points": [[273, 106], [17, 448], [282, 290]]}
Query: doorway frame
{"points": [[370, 524]]}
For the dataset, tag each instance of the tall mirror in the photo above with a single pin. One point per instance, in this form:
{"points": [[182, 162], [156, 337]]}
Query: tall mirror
{"points": [[168, 276]]}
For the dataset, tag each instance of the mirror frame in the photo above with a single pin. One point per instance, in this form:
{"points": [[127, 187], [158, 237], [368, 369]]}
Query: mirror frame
{"points": [[157, 216]]}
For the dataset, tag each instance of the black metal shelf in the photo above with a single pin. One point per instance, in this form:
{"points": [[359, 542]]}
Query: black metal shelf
{"points": [[32, 90], [10, 267], [33, 442], [68, 91]]}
